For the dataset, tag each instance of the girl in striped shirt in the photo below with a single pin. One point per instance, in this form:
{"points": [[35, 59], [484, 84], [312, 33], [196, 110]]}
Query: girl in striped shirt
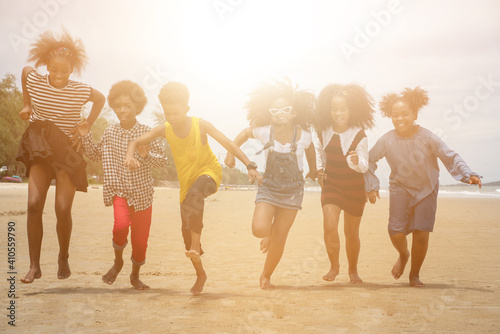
{"points": [[343, 112], [52, 104]]}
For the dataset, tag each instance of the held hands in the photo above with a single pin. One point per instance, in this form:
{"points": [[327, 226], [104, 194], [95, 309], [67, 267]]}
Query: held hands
{"points": [[25, 113], [130, 162], [230, 161], [253, 175], [372, 196], [475, 180], [353, 156], [321, 175], [80, 130]]}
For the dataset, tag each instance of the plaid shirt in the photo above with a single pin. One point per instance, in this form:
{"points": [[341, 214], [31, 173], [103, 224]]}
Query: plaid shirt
{"points": [[137, 185]]}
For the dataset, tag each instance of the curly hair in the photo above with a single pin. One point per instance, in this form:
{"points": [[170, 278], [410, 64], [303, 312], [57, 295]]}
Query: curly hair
{"points": [[174, 92], [416, 99], [359, 101], [44, 47], [262, 97], [127, 87]]}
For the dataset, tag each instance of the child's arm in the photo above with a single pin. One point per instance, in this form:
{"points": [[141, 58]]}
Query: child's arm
{"points": [[311, 161], [372, 183], [358, 160], [210, 130], [320, 160], [153, 156], [25, 113], [240, 139], [454, 163], [130, 162], [91, 149]]}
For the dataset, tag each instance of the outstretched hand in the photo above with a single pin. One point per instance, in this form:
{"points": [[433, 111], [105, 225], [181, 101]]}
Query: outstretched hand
{"points": [[475, 180], [254, 175], [372, 196]]}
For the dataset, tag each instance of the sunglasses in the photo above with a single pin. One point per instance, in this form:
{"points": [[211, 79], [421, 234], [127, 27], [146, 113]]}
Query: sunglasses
{"points": [[276, 111]]}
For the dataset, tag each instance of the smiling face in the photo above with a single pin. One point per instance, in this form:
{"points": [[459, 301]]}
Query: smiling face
{"points": [[403, 119], [126, 111], [282, 117], [59, 68], [339, 112]]}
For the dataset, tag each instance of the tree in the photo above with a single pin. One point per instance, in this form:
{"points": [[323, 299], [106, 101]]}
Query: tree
{"points": [[12, 126]]}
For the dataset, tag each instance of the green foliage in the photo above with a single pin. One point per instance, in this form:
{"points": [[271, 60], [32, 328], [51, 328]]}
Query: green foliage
{"points": [[11, 125]]}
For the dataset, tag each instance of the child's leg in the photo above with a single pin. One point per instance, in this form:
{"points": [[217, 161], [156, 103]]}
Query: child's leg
{"points": [[399, 242], [352, 245], [192, 225], [38, 184], [122, 221], [283, 220], [65, 193], [139, 235], [418, 251], [262, 223], [331, 215], [192, 214], [201, 278], [400, 217]]}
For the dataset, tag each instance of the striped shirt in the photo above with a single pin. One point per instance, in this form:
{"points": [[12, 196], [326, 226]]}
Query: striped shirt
{"points": [[136, 186], [62, 106]]}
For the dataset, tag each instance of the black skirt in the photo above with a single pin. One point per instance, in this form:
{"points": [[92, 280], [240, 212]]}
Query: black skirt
{"points": [[44, 143]]}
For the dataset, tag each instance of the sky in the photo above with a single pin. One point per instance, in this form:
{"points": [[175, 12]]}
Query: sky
{"points": [[222, 48]]}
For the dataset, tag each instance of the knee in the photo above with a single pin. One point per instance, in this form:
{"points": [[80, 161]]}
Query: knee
{"points": [[35, 206], [260, 231], [63, 210]]}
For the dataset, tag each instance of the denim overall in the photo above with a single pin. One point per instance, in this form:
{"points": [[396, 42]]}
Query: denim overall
{"points": [[283, 184]]}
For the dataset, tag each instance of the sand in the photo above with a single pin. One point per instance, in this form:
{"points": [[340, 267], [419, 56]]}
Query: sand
{"points": [[462, 273]]}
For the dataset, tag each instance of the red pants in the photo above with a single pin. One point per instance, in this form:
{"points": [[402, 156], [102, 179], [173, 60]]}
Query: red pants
{"points": [[139, 222]]}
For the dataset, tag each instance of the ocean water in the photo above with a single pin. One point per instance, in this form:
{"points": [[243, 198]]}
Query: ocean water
{"points": [[464, 191]]}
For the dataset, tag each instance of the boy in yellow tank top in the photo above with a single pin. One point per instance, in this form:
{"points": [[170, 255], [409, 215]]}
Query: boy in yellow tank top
{"points": [[197, 167]]}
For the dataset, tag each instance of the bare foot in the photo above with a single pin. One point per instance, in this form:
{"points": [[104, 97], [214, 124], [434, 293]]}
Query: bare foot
{"points": [[32, 274], [110, 276], [264, 244], [354, 278], [193, 255], [199, 284], [265, 283], [416, 282], [137, 283], [399, 267], [63, 271], [332, 274]]}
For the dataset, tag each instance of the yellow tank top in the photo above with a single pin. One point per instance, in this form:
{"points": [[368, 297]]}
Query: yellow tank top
{"points": [[192, 158]]}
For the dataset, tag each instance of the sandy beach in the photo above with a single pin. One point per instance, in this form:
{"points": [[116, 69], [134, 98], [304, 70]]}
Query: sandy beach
{"points": [[462, 273]]}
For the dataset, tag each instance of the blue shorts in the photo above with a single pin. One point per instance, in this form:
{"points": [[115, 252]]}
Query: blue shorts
{"points": [[404, 218]]}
